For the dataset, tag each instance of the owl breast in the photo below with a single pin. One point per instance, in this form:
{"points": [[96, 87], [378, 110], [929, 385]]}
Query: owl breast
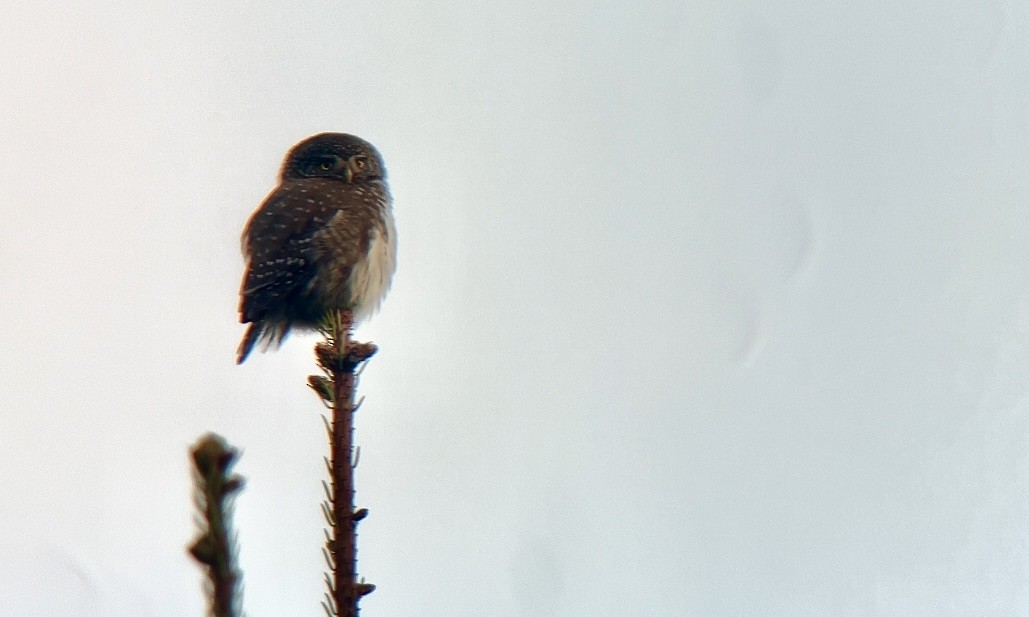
{"points": [[371, 276]]}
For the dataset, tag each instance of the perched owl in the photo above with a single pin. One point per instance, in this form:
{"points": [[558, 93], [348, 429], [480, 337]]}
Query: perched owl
{"points": [[323, 240]]}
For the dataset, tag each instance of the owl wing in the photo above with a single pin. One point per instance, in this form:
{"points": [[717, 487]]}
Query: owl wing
{"points": [[278, 246]]}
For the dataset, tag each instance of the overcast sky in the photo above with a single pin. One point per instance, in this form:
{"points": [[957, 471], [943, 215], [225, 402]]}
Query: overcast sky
{"points": [[711, 309]]}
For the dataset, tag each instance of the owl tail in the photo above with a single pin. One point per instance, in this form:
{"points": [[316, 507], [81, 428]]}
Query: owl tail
{"points": [[251, 337]]}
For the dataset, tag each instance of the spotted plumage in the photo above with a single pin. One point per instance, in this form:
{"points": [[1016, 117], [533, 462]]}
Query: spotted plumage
{"points": [[323, 240]]}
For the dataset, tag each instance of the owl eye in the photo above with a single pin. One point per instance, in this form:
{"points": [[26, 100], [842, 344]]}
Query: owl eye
{"points": [[325, 165], [360, 163]]}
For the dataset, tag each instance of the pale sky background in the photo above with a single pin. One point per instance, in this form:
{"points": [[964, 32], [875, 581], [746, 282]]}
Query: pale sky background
{"points": [[706, 309]]}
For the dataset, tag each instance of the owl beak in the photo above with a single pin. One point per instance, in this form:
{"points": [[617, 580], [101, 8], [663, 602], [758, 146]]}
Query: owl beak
{"points": [[348, 173]]}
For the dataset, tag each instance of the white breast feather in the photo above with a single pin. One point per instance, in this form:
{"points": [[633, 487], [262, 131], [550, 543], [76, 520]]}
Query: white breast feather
{"points": [[370, 278]]}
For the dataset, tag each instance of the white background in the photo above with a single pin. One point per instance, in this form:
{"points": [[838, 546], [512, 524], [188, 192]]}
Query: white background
{"points": [[703, 308]]}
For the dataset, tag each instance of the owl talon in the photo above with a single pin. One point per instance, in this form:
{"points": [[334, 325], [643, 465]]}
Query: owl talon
{"points": [[359, 352], [346, 362]]}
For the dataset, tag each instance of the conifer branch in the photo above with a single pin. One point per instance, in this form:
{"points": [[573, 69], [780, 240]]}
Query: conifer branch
{"points": [[339, 358], [215, 487]]}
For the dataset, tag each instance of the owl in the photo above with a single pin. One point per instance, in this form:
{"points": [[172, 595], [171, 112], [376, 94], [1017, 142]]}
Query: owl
{"points": [[323, 240]]}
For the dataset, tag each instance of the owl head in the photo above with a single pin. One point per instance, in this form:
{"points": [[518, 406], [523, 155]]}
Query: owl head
{"points": [[334, 155]]}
